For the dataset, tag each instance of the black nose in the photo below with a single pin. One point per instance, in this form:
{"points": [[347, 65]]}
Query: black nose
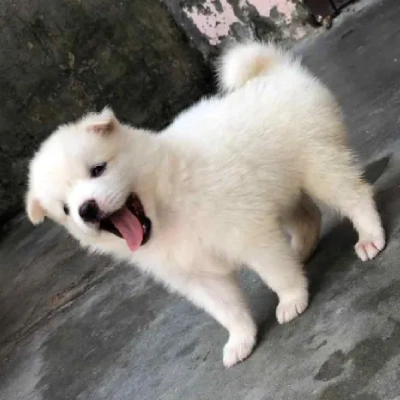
{"points": [[89, 211]]}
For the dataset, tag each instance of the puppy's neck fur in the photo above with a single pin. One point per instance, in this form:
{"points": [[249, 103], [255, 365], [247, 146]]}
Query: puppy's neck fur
{"points": [[160, 171]]}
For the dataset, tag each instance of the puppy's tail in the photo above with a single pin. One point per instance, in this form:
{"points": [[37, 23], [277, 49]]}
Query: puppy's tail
{"points": [[242, 62]]}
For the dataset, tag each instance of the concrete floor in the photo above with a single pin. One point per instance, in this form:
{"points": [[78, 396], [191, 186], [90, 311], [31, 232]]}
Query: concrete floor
{"points": [[75, 327]]}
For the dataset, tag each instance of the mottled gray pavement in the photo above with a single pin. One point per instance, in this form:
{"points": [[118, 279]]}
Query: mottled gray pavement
{"points": [[75, 327]]}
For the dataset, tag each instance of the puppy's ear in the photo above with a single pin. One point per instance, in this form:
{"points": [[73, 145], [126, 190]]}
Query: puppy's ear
{"points": [[34, 209], [103, 123]]}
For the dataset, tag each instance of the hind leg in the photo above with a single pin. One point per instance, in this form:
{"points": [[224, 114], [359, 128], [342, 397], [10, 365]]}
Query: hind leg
{"points": [[333, 179], [304, 227]]}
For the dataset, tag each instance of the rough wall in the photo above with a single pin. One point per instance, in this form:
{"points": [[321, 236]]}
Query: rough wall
{"points": [[209, 23], [61, 58]]}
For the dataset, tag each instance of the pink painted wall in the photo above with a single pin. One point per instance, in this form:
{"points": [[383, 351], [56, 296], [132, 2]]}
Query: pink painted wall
{"points": [[210, 22], [215, 22]]}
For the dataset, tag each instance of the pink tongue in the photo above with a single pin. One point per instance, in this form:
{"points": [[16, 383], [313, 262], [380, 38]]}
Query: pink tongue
{"points": [[129, 227]]}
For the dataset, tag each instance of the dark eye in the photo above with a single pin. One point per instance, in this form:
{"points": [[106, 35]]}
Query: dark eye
{"points": [[66, 209], [98, 170]]}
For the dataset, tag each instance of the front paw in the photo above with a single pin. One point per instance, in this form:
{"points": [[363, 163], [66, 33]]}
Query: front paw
{"points": [[291, 307], [237, 349]]}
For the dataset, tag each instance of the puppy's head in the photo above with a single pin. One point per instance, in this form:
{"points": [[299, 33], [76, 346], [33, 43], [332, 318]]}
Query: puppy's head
{"points": [[80, 177]]}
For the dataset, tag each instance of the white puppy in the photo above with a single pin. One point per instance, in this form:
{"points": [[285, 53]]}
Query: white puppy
{"points": [[228, 183]]}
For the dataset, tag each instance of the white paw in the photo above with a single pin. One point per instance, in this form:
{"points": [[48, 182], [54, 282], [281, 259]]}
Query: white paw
{"points": [[237, 349], [290, 309], [369, 249]]}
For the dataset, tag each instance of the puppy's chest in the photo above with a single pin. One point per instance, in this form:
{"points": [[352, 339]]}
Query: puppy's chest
{"points": [[177, 246]]}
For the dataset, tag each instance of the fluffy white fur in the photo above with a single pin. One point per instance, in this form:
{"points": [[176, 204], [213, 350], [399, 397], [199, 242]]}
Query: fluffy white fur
{"points": [[228, 183]]}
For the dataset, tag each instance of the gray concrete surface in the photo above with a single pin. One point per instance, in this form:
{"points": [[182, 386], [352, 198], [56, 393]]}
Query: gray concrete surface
{"points": [[61, 58], [77, 327]]}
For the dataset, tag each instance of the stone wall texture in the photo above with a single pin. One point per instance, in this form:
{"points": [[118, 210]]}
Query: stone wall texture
{"points": [[59, 59]]}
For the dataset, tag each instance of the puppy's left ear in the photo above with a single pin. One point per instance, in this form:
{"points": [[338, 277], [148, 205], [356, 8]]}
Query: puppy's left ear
{"points": [[34, 209], [103, 123]]}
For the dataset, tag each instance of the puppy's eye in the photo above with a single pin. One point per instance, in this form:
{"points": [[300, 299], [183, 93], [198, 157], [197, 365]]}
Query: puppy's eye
{"points": [[66, 209], [98, 170]]}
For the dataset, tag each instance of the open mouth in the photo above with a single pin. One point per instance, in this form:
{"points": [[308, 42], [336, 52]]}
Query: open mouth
{"points": [[129, 222]]}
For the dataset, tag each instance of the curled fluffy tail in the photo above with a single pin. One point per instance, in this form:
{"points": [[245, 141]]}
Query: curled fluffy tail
{"points": [[245, 61]]}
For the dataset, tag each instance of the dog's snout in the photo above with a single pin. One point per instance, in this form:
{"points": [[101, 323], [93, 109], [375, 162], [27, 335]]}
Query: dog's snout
{"points": [[89, 211]]}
